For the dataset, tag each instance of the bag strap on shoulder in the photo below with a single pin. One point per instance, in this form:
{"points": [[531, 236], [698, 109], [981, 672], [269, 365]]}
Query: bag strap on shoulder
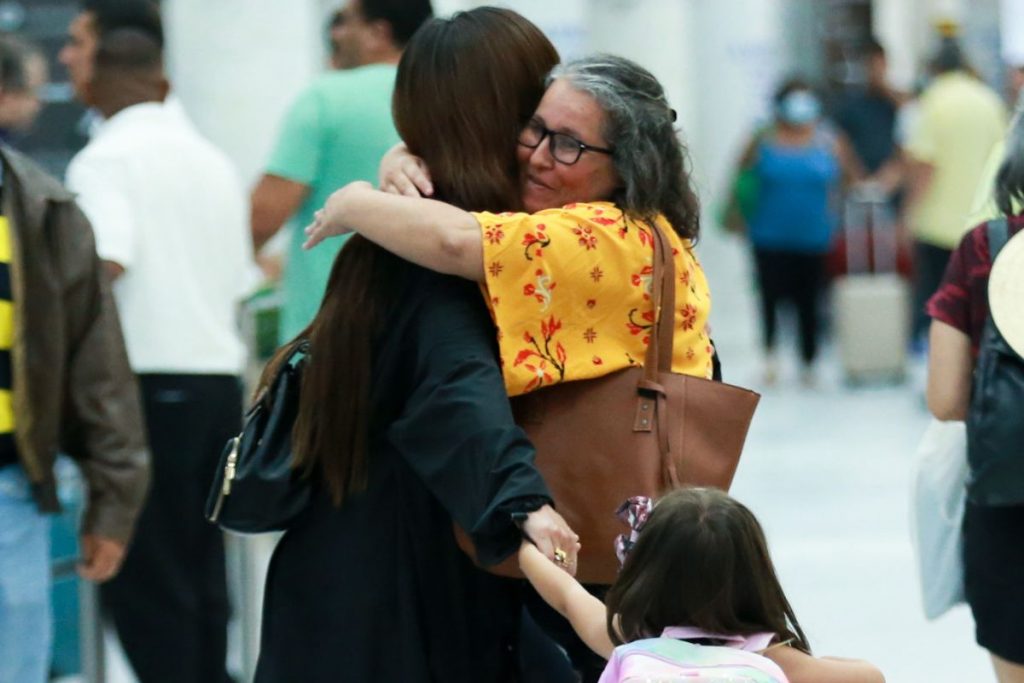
{"points": [[302, 348], [998, 230], [755, 642], [663, 292], [651, 409]]}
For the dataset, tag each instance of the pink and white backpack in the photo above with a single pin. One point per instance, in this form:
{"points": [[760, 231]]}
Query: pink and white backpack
{"points": [[673, 658]]}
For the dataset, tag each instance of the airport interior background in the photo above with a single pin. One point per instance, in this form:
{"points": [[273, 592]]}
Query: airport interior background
{"points": [[827, 468]]}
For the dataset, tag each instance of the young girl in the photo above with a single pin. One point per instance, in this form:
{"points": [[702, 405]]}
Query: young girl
{"points": [[696, 579]]}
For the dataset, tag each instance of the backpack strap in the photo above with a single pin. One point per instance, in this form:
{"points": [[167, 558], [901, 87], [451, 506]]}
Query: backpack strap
{"points": [[755, 642], [998, 230]]}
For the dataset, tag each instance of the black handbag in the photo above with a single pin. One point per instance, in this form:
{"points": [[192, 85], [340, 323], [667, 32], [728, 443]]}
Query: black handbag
{"points": [[256, 489], [995, 426]]}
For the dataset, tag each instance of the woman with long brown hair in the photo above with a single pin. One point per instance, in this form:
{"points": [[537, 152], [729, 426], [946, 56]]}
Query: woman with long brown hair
{"points": [[403, 424], [600, 165]]}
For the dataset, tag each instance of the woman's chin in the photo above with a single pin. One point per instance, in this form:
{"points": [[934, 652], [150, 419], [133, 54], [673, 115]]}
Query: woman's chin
{"points": [[537, 198]]}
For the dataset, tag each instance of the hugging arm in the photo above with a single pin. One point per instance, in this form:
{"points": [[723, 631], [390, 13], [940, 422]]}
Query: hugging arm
{"points": [[457, 432], [404, 173], [426, 232]]}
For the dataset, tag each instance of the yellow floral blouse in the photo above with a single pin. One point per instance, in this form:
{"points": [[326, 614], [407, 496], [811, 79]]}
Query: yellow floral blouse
{"points": [[570, 293]]}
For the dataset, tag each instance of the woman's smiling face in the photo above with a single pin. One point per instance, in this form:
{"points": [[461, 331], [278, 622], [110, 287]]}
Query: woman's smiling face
{"points": [[547, 183]]}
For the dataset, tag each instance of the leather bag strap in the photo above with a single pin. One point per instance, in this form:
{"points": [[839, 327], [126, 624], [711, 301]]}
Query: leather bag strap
{"points": [[652, 410], [663, 292], [666, 321]]}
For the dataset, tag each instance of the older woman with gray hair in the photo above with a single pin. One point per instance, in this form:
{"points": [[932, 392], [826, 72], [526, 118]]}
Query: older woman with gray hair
{"points": [[567, 280]]}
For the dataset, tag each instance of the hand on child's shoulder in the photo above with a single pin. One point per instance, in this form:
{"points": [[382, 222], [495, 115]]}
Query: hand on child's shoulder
{"points": [[801, 667]]}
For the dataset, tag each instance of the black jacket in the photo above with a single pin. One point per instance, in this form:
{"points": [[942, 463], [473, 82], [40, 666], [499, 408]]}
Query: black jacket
{"points": [[377, 590]]}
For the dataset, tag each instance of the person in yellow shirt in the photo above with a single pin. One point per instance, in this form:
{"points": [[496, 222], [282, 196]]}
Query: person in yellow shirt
{"points": [[984, 207], [959, 120], [568, 284]]}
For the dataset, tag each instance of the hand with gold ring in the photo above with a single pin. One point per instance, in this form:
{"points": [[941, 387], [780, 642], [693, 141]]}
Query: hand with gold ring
{"points": [[553, 537]]}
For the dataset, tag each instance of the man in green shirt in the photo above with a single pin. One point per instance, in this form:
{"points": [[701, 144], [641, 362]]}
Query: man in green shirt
{"points": [[335, 133]]}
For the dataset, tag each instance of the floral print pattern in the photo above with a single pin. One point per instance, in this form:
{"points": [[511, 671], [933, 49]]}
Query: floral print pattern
{"points": [[574, 286]]}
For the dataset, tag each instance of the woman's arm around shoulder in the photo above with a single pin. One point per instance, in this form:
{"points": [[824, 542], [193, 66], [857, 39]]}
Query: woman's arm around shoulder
{"points": [[404, 173], [429, 233], [801, 667], [585, 612]]}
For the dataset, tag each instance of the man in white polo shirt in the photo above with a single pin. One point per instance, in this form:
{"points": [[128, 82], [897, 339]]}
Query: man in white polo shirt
{"points": [[171, 226]]}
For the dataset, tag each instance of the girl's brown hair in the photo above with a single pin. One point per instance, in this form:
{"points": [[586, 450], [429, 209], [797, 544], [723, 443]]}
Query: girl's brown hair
{"points": [[464, 89], [701, 560]]}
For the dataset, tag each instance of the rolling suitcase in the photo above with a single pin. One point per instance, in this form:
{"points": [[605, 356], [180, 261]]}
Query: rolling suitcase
{"points": [[872, 301]]}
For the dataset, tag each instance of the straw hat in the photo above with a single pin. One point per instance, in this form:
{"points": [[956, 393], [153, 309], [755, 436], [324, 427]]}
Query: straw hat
{"points": [[1006, 292]]}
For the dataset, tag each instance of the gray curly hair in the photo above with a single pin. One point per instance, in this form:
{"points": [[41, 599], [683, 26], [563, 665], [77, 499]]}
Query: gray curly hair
{"points": [[649, 157]]}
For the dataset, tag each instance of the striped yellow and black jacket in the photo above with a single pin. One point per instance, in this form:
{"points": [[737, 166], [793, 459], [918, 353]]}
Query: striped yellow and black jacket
{"points": [[73, 389], [8, 453]]}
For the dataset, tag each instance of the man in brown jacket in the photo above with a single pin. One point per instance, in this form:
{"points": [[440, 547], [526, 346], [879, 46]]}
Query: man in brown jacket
{"points": [[65, 386]]}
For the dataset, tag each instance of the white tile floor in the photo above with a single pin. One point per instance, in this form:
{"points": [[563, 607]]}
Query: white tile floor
{"points": [[827, 472]]}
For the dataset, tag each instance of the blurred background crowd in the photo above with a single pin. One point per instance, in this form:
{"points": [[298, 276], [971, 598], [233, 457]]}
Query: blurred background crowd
{"points": [[840, 137]]}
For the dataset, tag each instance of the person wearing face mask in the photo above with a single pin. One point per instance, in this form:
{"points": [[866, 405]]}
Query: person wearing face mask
{"points": [[798, 166]]}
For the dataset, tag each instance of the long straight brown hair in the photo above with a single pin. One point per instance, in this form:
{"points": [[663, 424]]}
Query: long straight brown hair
{"points": [[701, 560], [464, 89]]}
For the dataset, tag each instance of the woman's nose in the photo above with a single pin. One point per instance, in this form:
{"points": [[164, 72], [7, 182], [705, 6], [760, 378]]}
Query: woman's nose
{"points": [[541, 157]]}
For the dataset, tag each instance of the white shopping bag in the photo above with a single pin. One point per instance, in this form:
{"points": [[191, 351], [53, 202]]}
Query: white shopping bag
{"points": [[937, 513]]}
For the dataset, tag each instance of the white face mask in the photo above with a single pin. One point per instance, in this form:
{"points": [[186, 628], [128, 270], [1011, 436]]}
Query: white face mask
{"points": [[799, 108]]}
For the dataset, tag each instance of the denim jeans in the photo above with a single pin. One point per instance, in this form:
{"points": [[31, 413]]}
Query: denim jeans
{"points": [[25, 618]]}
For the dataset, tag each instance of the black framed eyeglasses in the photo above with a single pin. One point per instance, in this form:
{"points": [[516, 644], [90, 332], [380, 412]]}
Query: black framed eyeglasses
{"points": [[564, 148]]}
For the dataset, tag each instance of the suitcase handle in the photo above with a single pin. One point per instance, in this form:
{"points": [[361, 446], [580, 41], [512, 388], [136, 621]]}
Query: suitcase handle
{"points": [[871, 242]]}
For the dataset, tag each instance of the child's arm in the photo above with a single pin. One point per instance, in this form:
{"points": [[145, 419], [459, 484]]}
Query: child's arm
{"points": [[801, 667], [565, 594]]}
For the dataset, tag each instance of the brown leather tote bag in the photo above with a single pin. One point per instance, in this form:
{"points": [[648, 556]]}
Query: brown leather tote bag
{"points": [[638, 431]]}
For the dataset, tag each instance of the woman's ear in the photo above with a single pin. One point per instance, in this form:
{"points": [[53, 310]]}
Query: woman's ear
{"points": [[380, 35]]}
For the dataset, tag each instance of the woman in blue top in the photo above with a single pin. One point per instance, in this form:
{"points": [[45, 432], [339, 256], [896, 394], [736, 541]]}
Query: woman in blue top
{"points": [[800, 167]]}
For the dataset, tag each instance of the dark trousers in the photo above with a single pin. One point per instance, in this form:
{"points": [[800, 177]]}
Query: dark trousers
{"points": [[169, 602], [587, 664], [994, 576], [929, 266], [796, 277]]}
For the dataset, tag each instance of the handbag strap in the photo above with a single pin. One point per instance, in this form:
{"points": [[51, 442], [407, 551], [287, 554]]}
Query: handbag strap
{"points": [[300, 348], [998, 230], [666, 317], [651, 410]]}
